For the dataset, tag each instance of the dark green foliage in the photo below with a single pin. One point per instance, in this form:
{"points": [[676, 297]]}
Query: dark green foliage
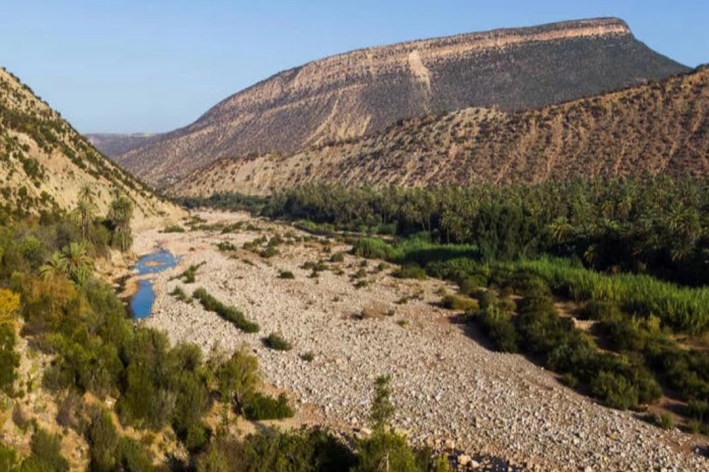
{"points": [[9, 460], [180, 295], [228, 313], [262, 407], [372, 248], [174, 229], [381, 410], [275, 341], [46, 453], [338, 257], [103, 441], [495, 318], [286, 275], [410, 271], [189, 275], [388, 451], [273, 450], [9, 359], [226, 246], [614, 390], [456, 302]]}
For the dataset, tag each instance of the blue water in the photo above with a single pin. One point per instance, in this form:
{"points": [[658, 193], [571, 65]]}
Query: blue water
{"points": [[141, 304]]}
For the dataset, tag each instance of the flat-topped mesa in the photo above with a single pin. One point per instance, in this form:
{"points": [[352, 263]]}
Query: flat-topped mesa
{"points": [[369, 62], [353, 94]]}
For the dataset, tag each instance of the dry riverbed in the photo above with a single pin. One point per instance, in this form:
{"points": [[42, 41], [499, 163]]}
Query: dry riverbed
{"points": [[447, 386]]}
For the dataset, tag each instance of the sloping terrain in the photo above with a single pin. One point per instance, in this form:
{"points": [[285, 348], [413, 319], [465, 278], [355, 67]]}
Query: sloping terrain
{"points": [[661, 127], [44, 162], [353, 94], [113, 144]]}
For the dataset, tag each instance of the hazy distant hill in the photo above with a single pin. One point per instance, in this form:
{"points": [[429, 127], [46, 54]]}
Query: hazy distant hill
{"points": [[661, 127], [44, 162], [112, 144], [363, 91]]}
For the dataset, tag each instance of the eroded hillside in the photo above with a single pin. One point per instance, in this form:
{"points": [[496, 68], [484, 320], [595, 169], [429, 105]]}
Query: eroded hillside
{"points": [[656, 128], [361, 92], [44, 162]]}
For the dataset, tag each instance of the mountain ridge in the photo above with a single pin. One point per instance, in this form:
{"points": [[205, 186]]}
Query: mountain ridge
{"points": [[349, 95], [659, 127]]}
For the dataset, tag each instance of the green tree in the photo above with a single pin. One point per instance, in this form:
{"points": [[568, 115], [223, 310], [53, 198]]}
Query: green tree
{"points": [[120, 215]]}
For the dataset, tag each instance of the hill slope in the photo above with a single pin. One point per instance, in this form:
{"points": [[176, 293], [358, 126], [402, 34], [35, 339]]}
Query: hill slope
{"points": [[661, 127], [44, 162], [360, 92], [113, 144]]}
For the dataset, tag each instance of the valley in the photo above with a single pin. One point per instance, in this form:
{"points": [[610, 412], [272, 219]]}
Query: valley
{"points": [[448, 386]]}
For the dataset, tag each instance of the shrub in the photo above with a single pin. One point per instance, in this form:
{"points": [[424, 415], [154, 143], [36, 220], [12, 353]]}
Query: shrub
{"points": [[286, 275], [228, 313], [338, 257], [307, 356], [46, 453], [226, 246], [372, 248], [262, 407], [410, 271], [269, 252], [173, 229], [496, 322], [180, 295], [275, 341], [614, 390], [667, 421], [454, 302]]}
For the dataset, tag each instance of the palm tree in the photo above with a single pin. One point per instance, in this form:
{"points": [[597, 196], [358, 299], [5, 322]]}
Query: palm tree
{"points": [[85, 209], [120, 214], [77, 262], [54, 266]]}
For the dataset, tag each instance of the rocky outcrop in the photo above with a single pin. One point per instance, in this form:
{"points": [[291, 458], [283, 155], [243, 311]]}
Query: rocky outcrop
{"points": [[350, 95]]}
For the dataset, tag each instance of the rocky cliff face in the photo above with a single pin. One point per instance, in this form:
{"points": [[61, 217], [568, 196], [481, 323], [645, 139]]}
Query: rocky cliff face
{"points": [[660, 127], [360, 92], [44, 162]]}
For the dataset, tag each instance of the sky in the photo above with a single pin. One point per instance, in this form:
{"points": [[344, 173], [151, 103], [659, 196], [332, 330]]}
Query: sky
{"points": [[152, 66]]}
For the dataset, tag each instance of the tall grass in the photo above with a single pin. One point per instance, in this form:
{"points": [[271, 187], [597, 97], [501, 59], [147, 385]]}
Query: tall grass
{"points": [[230, 314], [682, 308]]}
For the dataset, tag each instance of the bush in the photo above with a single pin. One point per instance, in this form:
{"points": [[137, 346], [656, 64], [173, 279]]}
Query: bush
{"points": [[614, 390], [180, 295], [275, 341], [262, 407], [173, 229], [372, 248], [338, 257], [286, 275], [496, 322], [46, 453], [228, 313], [454, 302], [410, 271], [226, 246]]}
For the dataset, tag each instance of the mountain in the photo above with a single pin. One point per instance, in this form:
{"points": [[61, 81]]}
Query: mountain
{"points": [[112, 144], [357, 93], [660, 127], [44, 163]]}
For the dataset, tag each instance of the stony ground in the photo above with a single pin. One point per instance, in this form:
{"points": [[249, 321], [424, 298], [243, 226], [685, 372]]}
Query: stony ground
{"points": [[447, 386]]}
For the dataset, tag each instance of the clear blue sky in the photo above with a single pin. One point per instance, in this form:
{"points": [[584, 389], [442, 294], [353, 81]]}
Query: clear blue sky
{"points": [[150, 66]]}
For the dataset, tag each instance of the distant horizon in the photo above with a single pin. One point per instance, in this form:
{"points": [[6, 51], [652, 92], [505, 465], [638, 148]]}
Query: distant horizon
{"points": [[152, 67]]}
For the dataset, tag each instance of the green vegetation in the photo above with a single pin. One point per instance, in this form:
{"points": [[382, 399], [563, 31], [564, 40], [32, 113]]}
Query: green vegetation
{"points": [[275, 341], [189, 275], [286, 275], [261, 407], [180, 295], [228, 313], [173, 229]]}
